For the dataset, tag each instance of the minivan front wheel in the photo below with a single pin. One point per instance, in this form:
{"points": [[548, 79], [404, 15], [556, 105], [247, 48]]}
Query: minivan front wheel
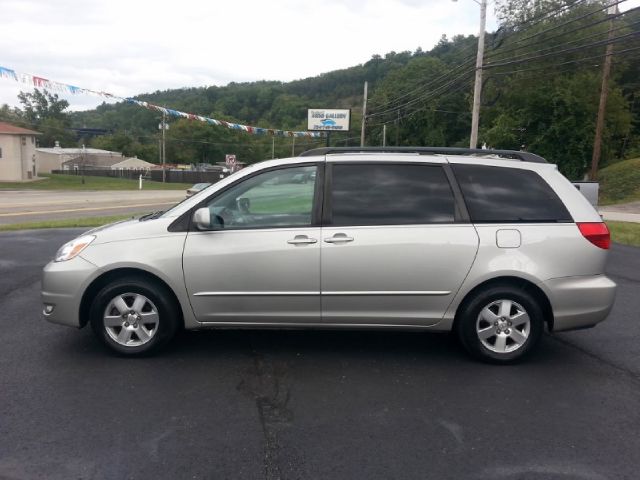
{"points": [[133, 316], [501, 324]]}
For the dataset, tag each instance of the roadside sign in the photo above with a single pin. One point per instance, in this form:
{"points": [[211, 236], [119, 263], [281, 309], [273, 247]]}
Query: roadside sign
{"points": [[230, 160], [332, 120]]}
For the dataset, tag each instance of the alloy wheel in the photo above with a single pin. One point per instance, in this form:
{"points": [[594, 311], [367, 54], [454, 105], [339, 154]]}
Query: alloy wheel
{"points": [[131, 319], [503, 326]]}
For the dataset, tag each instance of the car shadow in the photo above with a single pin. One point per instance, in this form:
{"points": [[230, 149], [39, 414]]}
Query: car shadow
{"points": [[430, 347]]}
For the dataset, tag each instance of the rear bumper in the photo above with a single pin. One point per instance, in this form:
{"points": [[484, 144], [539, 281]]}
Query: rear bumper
{"points": [[63, 284], [579, 302]]}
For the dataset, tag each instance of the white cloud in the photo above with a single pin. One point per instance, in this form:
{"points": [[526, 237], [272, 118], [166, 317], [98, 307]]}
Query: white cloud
{"points": [[131, 47]]}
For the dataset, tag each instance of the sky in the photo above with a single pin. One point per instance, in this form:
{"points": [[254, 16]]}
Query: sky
{"points": [[129, 47], [139, 46]]}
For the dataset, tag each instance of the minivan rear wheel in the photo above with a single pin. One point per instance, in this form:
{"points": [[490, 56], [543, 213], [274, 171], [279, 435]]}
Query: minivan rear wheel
{"points": [[500, 324], [134, 316]]}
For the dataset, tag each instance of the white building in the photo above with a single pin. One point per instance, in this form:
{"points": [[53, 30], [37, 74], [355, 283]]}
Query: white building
{"points": [[50, 159], [17, 153], [94, 162], [133, 163]]}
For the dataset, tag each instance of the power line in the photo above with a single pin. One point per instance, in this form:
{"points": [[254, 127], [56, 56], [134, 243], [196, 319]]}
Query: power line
{"points": [[465, 62], [543, 16], [565, 63], [424, 107], [461, 86], [569, 69], [422, 86], [555, 27], [534, 21], [504, 73], [559, 52], [562, 34], [555, 72], [421, 97]]}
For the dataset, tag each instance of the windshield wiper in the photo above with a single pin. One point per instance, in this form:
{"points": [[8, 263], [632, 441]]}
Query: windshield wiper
{"points": [[151, 216]]}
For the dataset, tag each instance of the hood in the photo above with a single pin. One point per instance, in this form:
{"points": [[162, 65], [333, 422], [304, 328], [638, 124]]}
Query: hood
{"points": [[133, 229], [110, 225]]}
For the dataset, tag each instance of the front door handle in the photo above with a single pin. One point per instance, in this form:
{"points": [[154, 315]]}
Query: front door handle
{"points": [[301, 240], [339, 238]]}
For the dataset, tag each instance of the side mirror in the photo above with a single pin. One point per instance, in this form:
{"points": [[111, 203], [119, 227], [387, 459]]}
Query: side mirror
{"points": [[205, 221], [202, 219]]}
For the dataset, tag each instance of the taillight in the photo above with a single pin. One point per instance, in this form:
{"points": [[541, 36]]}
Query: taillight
{"points": [[596, 233]]}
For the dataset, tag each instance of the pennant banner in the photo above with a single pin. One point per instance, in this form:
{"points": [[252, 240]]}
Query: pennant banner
{"points": [[46, 84]]}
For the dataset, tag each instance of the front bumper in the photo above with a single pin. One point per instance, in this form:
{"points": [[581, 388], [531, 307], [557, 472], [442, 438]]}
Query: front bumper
{"points": [[63, 284], [580, 302]]}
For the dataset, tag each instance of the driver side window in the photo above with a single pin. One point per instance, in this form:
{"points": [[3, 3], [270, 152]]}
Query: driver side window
{"points": [[278, 198]]}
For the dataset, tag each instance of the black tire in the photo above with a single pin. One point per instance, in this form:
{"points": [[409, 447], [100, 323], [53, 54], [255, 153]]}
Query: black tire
{"points": [[159, 297], [468, 323]]}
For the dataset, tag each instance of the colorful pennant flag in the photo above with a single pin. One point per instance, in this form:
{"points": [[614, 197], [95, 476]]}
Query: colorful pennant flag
{"points": [[46, 84]]}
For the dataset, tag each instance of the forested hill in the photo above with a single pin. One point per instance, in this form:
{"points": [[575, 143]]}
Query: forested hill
{"points": [[541, 89], [265, 103]]}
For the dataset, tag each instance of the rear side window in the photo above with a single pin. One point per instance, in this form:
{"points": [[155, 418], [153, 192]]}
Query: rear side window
{"points": [[499, 195], [385, 194]]}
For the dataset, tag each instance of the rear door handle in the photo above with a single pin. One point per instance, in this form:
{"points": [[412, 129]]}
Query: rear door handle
{"points": [[301, 240], [339, 238]]}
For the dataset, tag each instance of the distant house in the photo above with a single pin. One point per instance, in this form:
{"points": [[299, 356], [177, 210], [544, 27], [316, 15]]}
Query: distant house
{"points": [[95, 162], [50, 159], [17, 153]]}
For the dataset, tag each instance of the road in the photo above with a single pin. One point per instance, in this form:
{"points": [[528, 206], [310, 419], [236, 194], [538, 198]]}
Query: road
{"points": [[19, 206], [316, 405]]}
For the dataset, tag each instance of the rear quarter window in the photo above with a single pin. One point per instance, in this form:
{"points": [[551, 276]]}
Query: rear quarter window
{"points": [[501, 195]]}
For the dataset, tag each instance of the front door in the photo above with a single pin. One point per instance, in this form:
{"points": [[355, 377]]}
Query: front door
{"points": [[394, 249], [260, 262]]}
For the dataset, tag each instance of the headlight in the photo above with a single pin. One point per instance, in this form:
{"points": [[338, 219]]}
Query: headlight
{"points": [[73, 248]]}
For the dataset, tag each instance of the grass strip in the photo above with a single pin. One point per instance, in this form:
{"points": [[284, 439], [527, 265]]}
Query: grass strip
{"points": [[620, 182], [65, 223], [626, 233]]}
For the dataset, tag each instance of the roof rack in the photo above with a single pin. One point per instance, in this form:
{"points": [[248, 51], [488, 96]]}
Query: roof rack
{"points": [[511, 154]]}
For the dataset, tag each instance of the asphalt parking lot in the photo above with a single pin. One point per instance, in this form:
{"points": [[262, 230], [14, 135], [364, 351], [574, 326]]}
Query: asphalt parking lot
{"points": [[325, 405]]}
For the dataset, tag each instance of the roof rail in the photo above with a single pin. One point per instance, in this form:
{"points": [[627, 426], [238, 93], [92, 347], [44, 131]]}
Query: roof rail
{"points": [[512, 154]]}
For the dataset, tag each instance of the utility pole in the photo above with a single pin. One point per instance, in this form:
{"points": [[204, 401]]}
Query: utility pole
{"points": [[477, 87], [84, 154], [163, 151], [364, 114], [604, 93], [384, 135]]}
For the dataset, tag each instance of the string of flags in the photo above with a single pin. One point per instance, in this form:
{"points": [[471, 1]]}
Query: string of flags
{"points": [[50, 85]]}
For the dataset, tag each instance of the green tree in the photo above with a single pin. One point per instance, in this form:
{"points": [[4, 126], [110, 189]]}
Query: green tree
{"points": [[45, 112]]}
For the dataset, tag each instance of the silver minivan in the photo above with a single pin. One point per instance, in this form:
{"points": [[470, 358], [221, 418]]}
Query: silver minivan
{"points": [[493, 245]]}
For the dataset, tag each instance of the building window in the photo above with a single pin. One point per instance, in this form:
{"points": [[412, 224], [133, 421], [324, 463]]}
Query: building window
{"points": [[0, 152], [24, 141]]}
